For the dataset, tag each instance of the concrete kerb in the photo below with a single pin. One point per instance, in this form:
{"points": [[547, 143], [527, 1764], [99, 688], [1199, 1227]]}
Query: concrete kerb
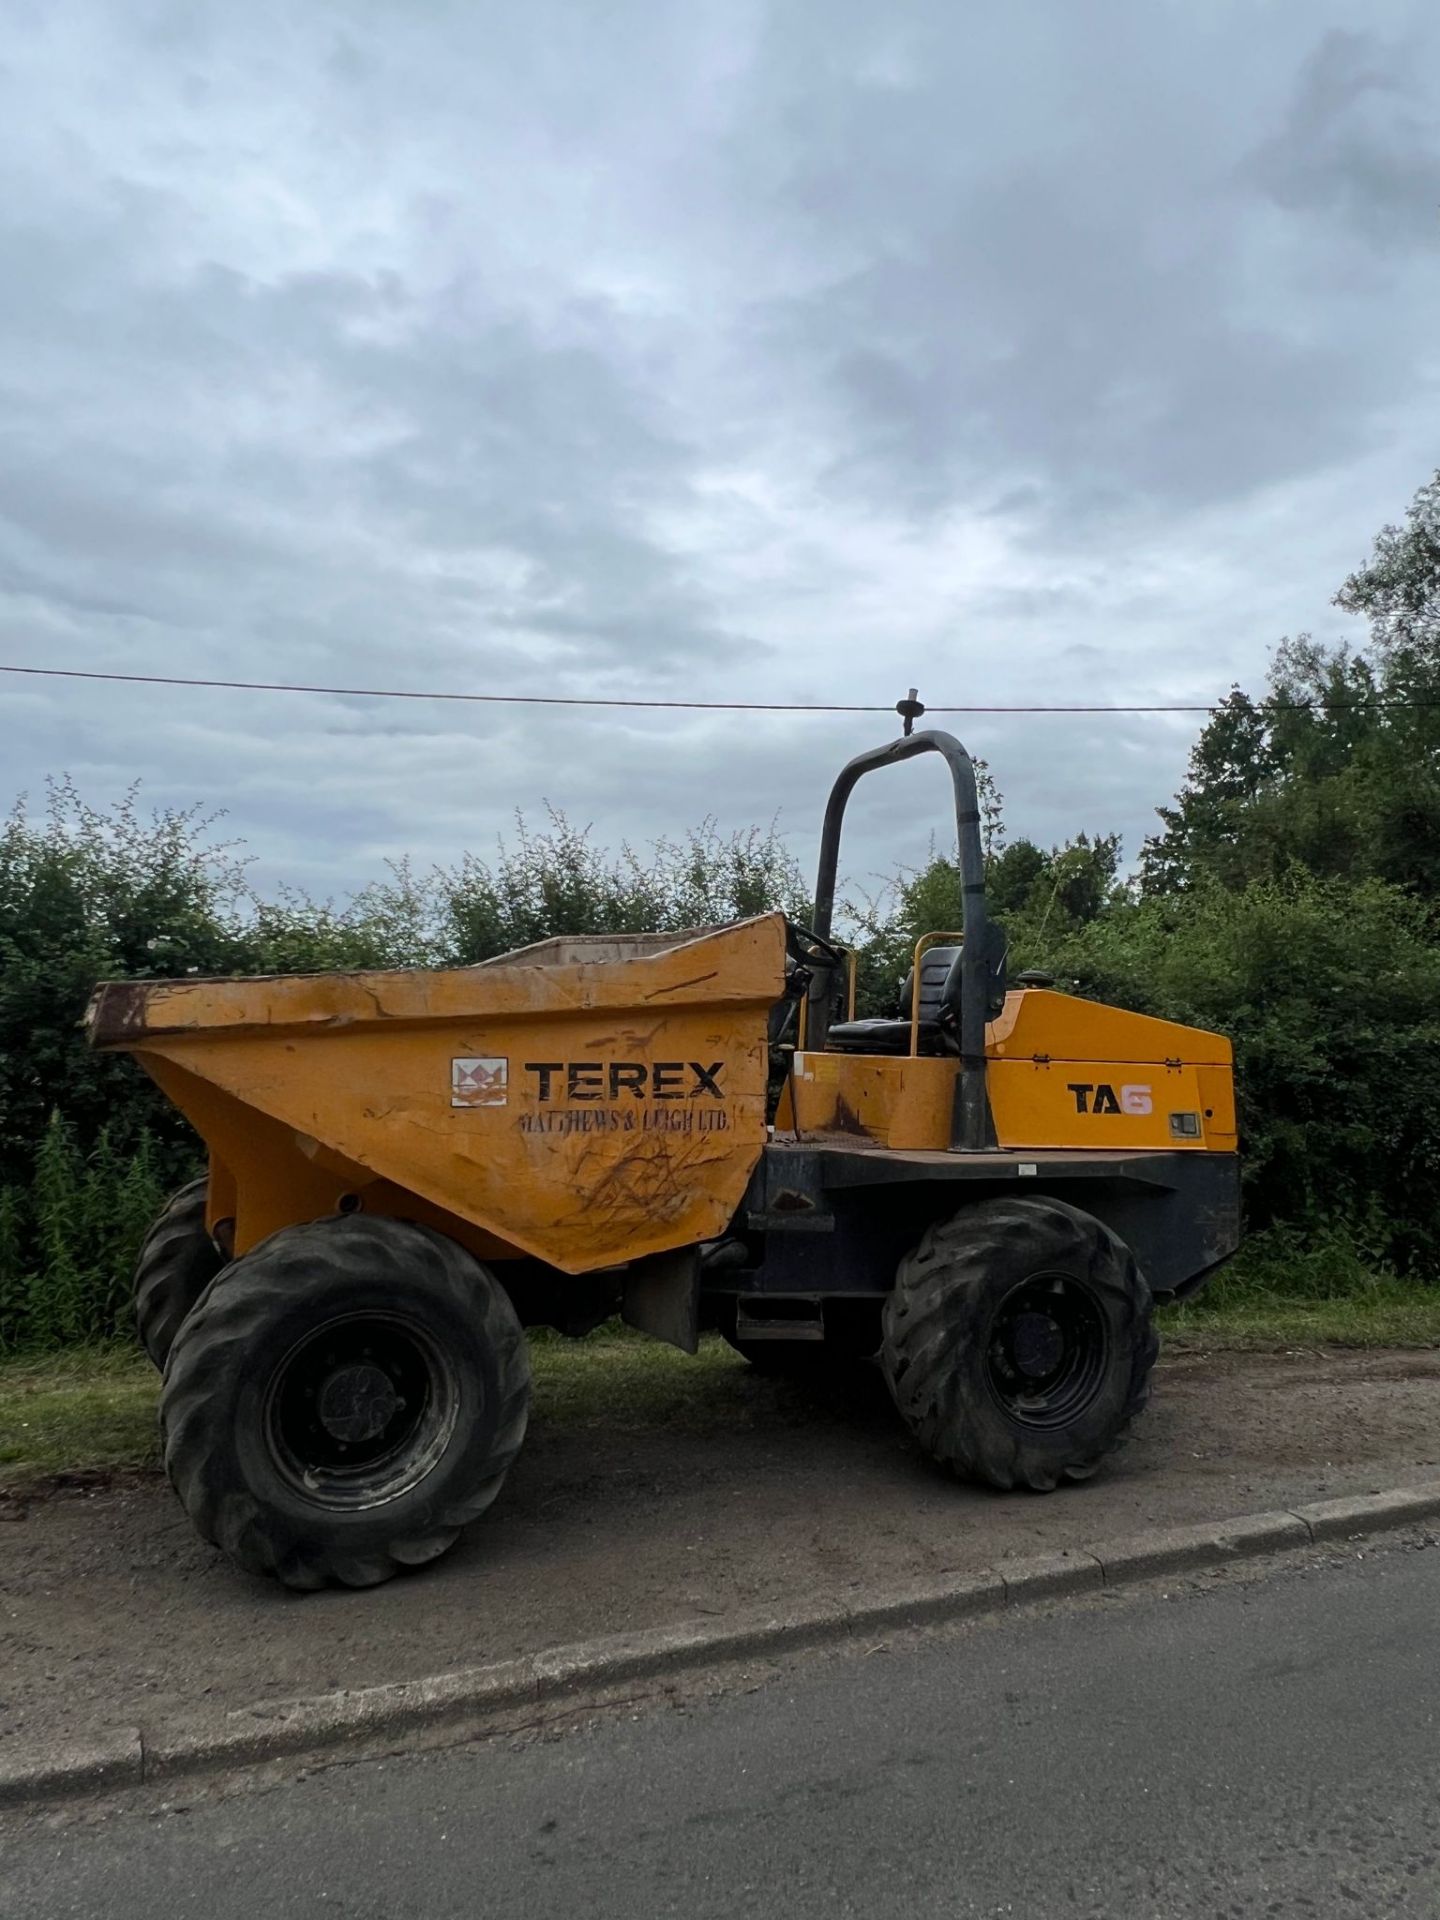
{"points": [[471, 1701], [1370, 1512], [95, 1763], [1165, 1550], [518, 1694]]}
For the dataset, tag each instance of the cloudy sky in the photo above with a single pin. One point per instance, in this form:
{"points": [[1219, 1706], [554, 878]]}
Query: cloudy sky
{"points": [[717, 349]]}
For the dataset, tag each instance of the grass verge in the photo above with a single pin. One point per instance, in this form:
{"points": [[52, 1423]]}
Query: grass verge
{"points": [[1393, 1313], [94, 1407], [89, 1407], [1287, 1289]]}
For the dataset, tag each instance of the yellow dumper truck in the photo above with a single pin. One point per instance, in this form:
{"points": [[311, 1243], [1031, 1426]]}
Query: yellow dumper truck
{"points": [[986, 1192]]}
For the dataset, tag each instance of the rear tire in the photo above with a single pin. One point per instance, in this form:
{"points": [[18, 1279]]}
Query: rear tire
{"points": [[177, 1262], [344, 1399], [1018, 1342]]}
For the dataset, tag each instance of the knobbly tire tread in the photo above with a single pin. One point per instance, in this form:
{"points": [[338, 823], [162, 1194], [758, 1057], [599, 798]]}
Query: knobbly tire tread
{"points": [[935, 1330], [177, 1261], [216, 1348]]}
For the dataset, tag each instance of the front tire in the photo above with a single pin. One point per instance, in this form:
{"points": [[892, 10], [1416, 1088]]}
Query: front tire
{"points": [[178, 1260], [344, 1399], [1018, 1342]]}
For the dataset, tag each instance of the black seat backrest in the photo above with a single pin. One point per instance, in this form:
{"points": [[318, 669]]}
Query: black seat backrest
{"points": [[935, 965]]}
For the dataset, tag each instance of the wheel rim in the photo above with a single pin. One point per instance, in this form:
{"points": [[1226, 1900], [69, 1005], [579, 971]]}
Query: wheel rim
{"points": [[360, 1410], [1046, 1351]]}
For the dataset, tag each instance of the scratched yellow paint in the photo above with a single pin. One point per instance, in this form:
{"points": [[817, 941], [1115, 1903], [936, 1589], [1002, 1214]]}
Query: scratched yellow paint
{"points": [[310, 1090]]}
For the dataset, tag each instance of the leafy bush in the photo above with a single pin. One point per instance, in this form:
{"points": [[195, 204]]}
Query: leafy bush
{"points": [[1283, 1263], [69, 1238], [1331, 995], [85, 896], [559, 881]]}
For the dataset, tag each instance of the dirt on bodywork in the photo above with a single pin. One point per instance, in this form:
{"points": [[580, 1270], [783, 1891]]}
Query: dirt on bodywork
{"points": [[112, 1612]]}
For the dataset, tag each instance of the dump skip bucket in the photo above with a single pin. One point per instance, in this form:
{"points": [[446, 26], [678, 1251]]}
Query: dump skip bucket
{"points": [[586, 1101]]}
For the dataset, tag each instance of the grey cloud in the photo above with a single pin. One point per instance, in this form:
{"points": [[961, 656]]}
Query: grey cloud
{"points": [[491, 440], [1088, 327], [1360, 141]]}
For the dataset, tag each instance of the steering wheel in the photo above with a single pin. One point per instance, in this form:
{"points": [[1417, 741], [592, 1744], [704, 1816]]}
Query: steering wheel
{"points": [[806, 948]]}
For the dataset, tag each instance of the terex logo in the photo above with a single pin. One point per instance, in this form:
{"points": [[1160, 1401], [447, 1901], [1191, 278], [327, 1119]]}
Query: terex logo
{"points": [[602, 1080], [1132, 1099]]}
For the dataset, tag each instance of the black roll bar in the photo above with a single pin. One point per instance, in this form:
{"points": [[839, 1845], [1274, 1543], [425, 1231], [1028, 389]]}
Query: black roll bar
{"points": [[970, 1128]]}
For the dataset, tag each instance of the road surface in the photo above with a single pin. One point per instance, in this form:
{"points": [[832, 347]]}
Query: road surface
{"points": [[1266, 1749]]}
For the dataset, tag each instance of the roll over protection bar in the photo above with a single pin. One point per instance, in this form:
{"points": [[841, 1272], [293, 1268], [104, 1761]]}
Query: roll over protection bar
{"points": [[970, 1126]]}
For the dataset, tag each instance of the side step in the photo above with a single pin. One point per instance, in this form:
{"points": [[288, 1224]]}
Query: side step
{"points": [[771, 1326]]}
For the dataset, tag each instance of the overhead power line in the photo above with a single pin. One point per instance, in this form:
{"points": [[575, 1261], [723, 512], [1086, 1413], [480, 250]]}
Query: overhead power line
{"points": [[683, 706], [412, 693]]}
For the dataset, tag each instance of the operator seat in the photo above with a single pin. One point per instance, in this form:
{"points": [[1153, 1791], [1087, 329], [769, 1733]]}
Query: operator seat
{"points": [[936, 1034]]}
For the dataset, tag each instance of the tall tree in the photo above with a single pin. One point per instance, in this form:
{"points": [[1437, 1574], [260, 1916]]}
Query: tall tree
{"points": [[1398, 588], [1336, 770]]}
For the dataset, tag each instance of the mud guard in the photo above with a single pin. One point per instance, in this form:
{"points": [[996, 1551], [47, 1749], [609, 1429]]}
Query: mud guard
{"points": [[661, 1296]]}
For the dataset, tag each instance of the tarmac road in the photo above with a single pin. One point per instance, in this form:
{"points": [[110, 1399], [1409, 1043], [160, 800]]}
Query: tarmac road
{"points": [[1267, 1748]]}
